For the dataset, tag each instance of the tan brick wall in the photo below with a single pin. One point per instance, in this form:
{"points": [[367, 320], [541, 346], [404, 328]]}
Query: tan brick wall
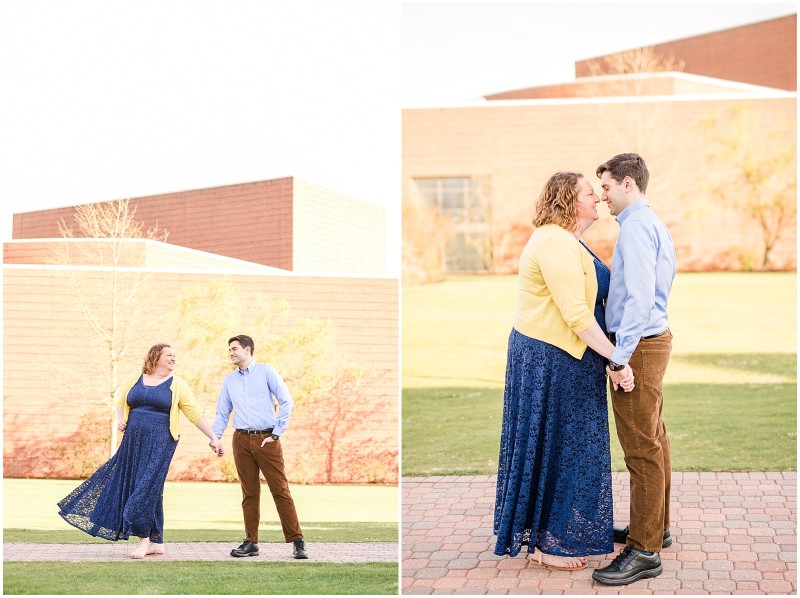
{"points": [[518, 145], [137, 252], [249, 221], [50, 385], [762, 53], [337, 233]]}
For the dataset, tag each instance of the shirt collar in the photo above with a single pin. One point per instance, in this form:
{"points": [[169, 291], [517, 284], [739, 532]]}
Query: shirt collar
{"points": [[634, 207], [249, 367]]}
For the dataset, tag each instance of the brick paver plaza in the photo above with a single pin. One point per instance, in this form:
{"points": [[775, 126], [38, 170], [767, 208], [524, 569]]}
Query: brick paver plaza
{"points": [[327, 552], [735, 533]]}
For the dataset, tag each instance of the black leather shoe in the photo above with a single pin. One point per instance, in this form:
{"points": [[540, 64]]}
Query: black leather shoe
{"points": [[247, 548], [628, 566], [299, 551], [621, 536]]}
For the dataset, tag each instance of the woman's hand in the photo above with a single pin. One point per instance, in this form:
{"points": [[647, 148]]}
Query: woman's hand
{"points": [[121, 426], [623, 378], [216, 446]]}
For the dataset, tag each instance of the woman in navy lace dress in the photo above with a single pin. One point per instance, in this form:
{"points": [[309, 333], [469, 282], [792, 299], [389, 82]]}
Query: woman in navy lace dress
{"points": [[554, 473], [125, 496]]}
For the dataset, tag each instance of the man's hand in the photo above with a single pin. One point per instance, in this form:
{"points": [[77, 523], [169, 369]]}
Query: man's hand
{"points": [[623, 378], [266, 440], [216, 447]]}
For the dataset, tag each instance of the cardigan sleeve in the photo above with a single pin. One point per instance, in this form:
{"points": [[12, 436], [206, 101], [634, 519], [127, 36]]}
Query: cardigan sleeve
{"points": [[563, 272], [187, 403]]}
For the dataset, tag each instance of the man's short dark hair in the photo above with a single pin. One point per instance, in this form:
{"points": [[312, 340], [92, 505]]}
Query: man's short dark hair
{"points": [[245, 341], [623, 165]]}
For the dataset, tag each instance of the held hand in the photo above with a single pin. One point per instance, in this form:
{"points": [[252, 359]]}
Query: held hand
{"points": [[121, 426], [617, 378], [216, 446], [627, 382], [266, 440], [613, 377]]}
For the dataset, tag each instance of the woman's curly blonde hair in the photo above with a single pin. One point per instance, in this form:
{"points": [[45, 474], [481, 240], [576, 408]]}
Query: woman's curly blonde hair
{"points": [[558, 201], [153, 355]]}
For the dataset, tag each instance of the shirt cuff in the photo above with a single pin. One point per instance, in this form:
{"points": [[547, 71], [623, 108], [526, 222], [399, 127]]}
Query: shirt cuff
{"points": [[619, 356]]}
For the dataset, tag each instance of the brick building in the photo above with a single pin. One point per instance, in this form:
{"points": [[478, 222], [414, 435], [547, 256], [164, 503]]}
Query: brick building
{"points": [[301, 227], [315, 273], [471, 173]]}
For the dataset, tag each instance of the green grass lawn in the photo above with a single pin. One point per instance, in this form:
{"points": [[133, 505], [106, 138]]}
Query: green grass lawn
{"points": [[200, 578], [31, 504], [207, 512], [730, 389]]}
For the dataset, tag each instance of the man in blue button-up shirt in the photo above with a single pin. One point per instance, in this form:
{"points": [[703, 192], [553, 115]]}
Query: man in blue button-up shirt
{"points": [[642, 271], [250, 391]]}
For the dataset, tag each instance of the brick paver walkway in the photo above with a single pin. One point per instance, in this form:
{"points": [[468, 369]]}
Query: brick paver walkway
{"points": [[735, 533], [327, 552]]}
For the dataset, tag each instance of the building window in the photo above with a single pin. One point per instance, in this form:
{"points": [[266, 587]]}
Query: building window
{"points": [[462, 203]]}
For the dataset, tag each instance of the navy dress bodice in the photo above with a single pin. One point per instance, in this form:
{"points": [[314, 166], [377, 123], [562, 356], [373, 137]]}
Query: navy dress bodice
{"points": [[603, 282], [151, 398]]}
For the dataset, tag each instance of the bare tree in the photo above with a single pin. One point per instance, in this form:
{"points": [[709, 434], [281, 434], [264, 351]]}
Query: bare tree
{"points": [[208, 315], [110, 304], [424, 236], [348, 423], [644, 131], [758, 161], [639, 60]]}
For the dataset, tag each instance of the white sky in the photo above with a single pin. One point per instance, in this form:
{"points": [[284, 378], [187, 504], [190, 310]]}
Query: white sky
{"points": [[458, 52], [109, 99], [104, 100]]}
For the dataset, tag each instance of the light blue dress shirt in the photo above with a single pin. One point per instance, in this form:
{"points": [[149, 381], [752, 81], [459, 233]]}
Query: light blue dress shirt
{"points": [[642, 271], [249, 394]]}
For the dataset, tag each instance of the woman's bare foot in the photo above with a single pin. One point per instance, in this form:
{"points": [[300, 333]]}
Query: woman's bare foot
{"points": [[156, 549], [141, 549], [559, 562]]}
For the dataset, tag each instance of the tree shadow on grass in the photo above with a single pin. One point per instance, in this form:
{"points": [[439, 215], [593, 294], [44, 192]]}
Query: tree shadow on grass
{"points": [[779, 364], [712, 427]]}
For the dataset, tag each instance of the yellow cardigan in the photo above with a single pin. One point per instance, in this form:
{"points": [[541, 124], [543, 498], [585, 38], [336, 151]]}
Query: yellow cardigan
{"points": [[557, 288], [182, 399]]}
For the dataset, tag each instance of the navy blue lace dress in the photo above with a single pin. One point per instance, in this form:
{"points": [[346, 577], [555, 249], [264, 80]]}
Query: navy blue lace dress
{"points": [[125, 496], [554, 473]]}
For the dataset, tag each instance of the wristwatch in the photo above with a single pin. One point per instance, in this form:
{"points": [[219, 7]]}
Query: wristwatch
{"points": [[615, 367], [275, 437]]}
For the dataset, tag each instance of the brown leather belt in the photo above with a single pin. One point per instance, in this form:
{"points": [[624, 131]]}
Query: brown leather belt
{"points": [[613, 337]]}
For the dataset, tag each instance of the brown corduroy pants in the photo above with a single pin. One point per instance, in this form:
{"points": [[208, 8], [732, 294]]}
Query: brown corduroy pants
{"points": [[251, 458], [643, 437]]}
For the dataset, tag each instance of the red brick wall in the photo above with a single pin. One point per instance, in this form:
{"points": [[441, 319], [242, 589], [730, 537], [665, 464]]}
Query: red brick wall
{"points": [[49, 386], [249, 221], [762, 53]]}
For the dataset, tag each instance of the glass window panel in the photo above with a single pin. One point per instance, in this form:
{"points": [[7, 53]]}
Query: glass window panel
{"points": [[461, 256], [463, 201], [452, 200]]}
